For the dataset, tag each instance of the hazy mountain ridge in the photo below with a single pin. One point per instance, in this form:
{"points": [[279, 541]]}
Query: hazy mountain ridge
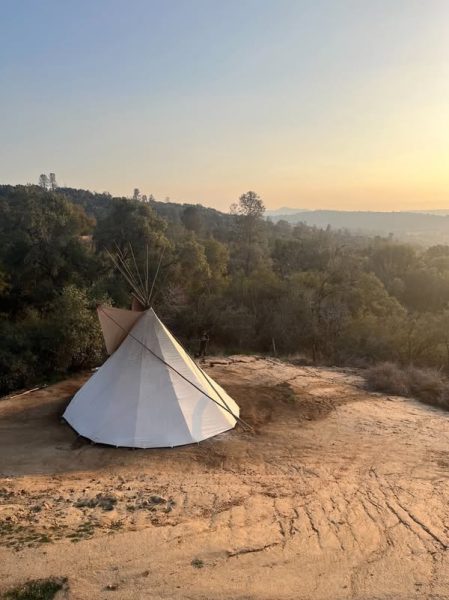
{"points": [[420, 226], [287, 210]]}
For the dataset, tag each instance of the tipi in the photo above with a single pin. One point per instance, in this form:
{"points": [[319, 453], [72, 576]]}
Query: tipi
{"points": [[149, 393]]}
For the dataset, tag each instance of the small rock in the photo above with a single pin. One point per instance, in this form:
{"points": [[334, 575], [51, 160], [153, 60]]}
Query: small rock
{"points": [[111, 587], [157, 499]]}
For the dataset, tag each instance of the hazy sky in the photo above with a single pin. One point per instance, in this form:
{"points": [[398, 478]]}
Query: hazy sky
{"points": [[317, 103]]}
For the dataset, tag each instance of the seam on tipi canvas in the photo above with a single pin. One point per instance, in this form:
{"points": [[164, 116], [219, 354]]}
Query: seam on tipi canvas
{"points": [[156, 347], [142, 350]]}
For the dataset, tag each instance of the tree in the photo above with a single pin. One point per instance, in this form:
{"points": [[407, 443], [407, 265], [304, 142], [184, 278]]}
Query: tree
{"points": [[137, 232], [391, 262], [217, 255], [249, 211], [250, 206], [136, 194], [43, 181], [192, 219], [129, 222], [53, 184], [40, 249], [77, 341]]}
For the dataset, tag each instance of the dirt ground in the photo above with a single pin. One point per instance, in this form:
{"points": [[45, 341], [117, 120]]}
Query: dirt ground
{"points": [[338, 493]]}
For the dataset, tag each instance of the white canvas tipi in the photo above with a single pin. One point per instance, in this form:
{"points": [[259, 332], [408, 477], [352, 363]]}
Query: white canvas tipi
{"points": [[149, 393]]}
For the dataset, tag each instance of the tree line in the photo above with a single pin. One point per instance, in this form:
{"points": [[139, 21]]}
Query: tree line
{"points": [[327, 295]]}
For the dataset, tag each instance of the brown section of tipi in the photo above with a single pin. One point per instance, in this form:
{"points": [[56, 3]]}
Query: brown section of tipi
{"points": [[137, 305], [116, 324]]}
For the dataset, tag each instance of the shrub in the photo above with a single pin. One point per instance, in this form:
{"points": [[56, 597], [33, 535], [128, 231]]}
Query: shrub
{"points": [[426, 385], [387, 378], [197, 563], [17, 360], [429, 386], [66, 338]]}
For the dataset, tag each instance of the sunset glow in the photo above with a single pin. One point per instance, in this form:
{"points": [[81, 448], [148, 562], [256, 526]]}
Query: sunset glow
{"points": [[314, 104]]}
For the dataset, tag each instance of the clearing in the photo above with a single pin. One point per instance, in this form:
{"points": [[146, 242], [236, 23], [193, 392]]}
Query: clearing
{"points": [[338, 493]]}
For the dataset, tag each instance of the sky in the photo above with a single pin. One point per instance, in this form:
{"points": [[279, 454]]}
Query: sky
{"points": [[338, 104]]}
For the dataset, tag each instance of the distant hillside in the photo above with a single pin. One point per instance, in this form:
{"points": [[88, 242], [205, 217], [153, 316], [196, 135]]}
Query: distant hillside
{"points": [[414, 226], [440, 211], [96, 205], [424, 228], [284, 211]]}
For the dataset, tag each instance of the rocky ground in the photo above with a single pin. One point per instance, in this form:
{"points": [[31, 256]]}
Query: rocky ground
{"points": [[337, 493]]}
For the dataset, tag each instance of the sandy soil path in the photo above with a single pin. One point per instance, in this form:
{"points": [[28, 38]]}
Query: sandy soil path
{"points": [[337, 494]]}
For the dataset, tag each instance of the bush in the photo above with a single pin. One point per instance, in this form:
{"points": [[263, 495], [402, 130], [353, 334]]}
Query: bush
{"points": [[429, 386], [387, 378], [17, 360], [426, 385], [38, 346]]}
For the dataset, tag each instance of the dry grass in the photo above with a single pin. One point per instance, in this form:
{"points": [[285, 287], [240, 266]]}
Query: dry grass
{"points": [[427, 385], [298, 360], [387, 378], [197, 563]]}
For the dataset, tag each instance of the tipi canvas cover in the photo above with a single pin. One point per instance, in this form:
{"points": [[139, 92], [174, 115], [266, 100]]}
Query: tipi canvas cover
{"points": [[149, 393]]}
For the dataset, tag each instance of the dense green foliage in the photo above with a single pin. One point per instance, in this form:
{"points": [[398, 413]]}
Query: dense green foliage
{"points": [[254, 285]]}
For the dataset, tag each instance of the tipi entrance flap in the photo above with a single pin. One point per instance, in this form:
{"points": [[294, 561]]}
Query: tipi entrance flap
{"points": [[115, 324]]}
